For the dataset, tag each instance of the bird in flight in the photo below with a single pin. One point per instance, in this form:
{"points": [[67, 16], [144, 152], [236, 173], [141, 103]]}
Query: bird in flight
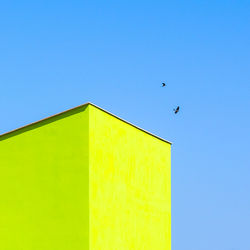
{"points": [[176, 110]]}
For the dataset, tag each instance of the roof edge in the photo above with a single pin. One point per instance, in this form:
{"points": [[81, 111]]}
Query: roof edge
{"points": [[80, 106], [43, 119], [129, 123]]}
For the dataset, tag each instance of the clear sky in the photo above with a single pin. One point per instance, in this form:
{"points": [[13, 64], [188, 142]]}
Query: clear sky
{"points": [[59, 54]]}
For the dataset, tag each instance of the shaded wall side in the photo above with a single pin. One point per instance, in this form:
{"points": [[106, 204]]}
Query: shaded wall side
{"points": [[44, 185], [130, 187]]}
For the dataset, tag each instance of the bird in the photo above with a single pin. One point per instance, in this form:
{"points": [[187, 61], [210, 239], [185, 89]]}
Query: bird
{"points": [[163, 84], [176, 110]]}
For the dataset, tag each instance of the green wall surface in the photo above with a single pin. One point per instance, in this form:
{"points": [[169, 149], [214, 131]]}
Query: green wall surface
{"points": [[44, 185], [84, 179], [130, 186]]}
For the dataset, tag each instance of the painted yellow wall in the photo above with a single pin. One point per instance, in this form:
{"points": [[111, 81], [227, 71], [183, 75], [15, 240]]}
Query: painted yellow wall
{"points": [[130, 190], [84, 180], [44, 185]]}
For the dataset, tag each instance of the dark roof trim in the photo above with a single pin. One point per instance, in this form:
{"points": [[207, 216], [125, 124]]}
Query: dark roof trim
{"points": [[81, 106], [143, 130]]}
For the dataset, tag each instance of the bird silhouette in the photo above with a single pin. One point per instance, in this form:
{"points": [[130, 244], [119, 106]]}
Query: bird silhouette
{"points": [[163, 84], [176, 110]]}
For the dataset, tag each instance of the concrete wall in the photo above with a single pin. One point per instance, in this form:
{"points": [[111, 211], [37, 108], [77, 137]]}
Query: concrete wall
{"points": [[44, 185], [84, 180], [130, 187]]}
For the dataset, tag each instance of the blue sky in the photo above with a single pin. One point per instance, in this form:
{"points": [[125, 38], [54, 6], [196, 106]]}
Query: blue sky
{"points": [[59, 54]]}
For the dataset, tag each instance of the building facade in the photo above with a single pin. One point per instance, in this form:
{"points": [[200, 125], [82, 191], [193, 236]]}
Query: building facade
{"points": [[84, 179]]}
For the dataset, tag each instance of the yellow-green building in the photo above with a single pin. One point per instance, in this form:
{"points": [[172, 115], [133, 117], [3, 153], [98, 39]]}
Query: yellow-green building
{"points": [[84, 179]]}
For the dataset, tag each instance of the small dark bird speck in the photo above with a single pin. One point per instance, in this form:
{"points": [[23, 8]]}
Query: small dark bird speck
{"points": [[163, 84], [176, 110]]}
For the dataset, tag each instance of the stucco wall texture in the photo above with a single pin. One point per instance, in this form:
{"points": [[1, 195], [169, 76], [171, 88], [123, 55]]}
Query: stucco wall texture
{"points": [[84, 179]]}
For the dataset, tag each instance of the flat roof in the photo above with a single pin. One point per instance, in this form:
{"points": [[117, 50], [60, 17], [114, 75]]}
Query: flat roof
{"points": [[82, 105]]}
